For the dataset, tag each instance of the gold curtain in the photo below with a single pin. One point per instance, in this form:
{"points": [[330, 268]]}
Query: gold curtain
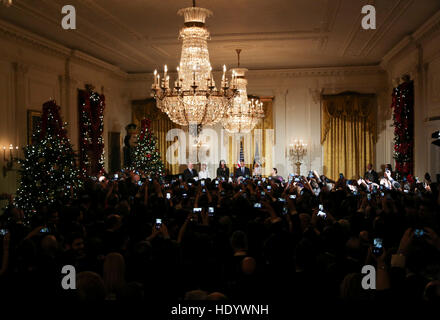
{"points": [[348, 133], [160, 125], [261, 137]]}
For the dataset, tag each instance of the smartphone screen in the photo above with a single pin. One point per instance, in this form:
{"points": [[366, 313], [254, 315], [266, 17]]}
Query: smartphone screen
{"points": [[322, 214], [418, 233], [168, 195], [44, 230], [377, 246], [158, 223], [257, 205], [292, 196], [197, 210], [211, 211], [3, 232], [202, 183]]}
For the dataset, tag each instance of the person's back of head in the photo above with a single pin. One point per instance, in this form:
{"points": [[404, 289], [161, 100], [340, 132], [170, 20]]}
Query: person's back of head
{"points": [[196, 295], [49, 245], [351, 288], [114, 272], [248, 266], [216, 296], [90, 286], [239, 241]]}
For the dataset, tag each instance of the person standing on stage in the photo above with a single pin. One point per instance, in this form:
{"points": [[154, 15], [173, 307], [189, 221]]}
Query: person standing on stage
{"points": [[371, 175], [242, 171], [189, 172], [204, 173], [222, 170]]}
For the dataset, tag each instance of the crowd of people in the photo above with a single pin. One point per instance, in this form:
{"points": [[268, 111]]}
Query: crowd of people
{"points": [[135, 237]]}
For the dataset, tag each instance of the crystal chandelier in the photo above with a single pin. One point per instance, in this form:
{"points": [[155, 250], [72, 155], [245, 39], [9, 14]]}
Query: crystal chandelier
{"points": [[194, 99], [244, 114]]}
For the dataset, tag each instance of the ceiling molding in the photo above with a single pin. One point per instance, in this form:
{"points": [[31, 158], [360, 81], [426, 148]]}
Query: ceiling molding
{"points": [[129, 52], [17, 34], [392, 17], [423, 33]]}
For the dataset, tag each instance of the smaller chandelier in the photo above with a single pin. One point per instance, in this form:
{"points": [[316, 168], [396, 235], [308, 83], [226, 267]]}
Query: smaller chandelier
{"points": [[244, 113]]}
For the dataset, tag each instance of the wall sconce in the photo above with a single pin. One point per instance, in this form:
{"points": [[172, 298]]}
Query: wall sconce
{"points": [[9, 161], [297, 151]]}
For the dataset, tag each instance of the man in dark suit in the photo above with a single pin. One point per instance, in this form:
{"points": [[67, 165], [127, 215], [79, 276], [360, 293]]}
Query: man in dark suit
{"points": [[242, 171], [371, 175], [189, 173]]}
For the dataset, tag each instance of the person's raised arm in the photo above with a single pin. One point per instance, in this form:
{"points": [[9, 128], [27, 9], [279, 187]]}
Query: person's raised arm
{"points": [[183, 229]]}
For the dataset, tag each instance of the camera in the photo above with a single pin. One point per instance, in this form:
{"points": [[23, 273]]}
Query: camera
{"points": [[211, 211]]}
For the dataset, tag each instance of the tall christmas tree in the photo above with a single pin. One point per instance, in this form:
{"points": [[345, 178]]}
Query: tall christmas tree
{"points": [[146, 156], [48, 170]]}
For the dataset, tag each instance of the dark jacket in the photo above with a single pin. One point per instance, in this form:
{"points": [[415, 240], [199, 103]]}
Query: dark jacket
{"points": [[187, 174], [239, 173], [223, 173]]}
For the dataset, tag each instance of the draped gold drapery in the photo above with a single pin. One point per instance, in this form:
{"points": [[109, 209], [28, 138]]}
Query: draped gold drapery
{"points": [[160, 125], [259, 141], [348, 133]]}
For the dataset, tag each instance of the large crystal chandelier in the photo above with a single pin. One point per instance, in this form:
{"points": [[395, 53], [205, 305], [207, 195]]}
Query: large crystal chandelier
{"points": [[244, 113], [194, 99]]}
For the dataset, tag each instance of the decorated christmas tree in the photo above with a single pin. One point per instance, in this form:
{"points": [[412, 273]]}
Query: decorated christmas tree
{"points": [[48, 170], [146, 156]]}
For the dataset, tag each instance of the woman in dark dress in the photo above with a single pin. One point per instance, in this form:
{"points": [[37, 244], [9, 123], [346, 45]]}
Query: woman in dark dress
{"points": [[222, 170]]}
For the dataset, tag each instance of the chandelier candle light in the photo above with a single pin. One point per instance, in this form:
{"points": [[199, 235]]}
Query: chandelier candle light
{"points": [[297, 151], [244, 114], [194, 99]]}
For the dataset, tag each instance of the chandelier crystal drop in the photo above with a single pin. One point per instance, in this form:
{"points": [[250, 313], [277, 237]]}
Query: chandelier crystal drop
{"points": [[243, 114], [194, 98]]}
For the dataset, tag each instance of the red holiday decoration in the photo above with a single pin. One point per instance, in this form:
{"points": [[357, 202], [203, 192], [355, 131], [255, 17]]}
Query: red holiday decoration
{"points": [[91, 127], [403, 116]]}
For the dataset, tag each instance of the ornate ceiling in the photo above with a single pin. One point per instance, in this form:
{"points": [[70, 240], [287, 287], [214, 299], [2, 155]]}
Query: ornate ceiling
{"points": [[141, 35]]}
